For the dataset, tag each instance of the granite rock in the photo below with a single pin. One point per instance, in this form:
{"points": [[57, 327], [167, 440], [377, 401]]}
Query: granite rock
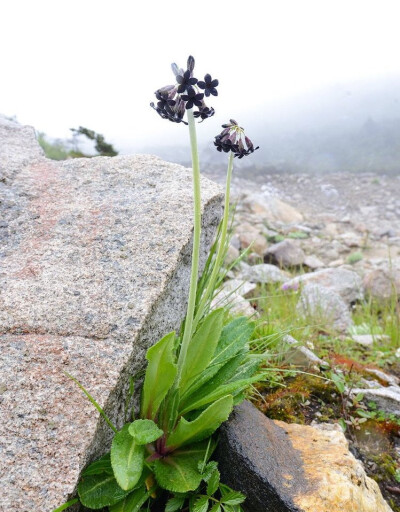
{"points": [[95, 268]]}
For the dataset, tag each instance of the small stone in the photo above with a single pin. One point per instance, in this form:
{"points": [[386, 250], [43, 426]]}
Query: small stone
{"points": [[336, 263], [368, 340], [385, 378], [251, 236], [286, 254], [386, 398], [272, 209], [344, 281], [313, 262], [263, 273], [382, 283], [239, 286], [232, 254], [324, 307], [301, 356], [237, 304]]}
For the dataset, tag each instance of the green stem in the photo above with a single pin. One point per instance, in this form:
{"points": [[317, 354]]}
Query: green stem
{"points": [[221, 246], [188, 330]]}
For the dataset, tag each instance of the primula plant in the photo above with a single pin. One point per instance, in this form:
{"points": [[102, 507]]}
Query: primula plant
{"points": [[162, 461]]}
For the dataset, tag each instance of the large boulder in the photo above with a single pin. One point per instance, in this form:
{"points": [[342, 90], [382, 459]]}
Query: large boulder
{"points": [[293, 468], [95, 267]]}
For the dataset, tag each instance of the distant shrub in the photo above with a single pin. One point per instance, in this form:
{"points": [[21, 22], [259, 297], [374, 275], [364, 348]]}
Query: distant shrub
{"points": [[59, 149]]}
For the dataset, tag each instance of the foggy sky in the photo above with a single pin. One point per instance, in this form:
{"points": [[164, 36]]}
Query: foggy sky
{"points": [[97, 63]]}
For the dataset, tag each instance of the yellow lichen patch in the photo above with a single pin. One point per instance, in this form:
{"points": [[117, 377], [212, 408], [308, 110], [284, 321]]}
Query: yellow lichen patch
{"points": [[339, 482]]}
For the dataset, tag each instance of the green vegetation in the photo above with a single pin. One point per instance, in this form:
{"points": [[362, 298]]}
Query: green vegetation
{"points": [[59, 149], [354, 257], [299, 395]]}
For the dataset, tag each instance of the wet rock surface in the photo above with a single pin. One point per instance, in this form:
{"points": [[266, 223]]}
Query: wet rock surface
{"points": [[293, 468], [94, 268]]}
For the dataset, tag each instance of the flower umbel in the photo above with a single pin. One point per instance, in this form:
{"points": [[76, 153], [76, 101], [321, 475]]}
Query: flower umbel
{"points": [[173, 100], [232, 138]]}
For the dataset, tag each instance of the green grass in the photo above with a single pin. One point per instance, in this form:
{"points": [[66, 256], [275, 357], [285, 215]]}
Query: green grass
{"points": [[278, 316]]}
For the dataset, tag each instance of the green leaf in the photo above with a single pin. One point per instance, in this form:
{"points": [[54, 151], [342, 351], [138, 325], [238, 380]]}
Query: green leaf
{"points": [[144, 431], [102, 465], [222, 377], [205, 376], [127, 459], [203, 426], [169, 409], [213, 483], [208, 469], [232, 498], [161, 370], [98, 491], [201, 504], [179, 472], [246, 370], [234, 338], [216, 508], [339, 382], [175, 503], [201, 348], [132, 502], [230, 388]]}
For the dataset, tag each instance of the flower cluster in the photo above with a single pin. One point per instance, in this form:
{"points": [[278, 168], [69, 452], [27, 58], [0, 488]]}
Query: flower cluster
{"points": [[232, 138], [174, 100]]}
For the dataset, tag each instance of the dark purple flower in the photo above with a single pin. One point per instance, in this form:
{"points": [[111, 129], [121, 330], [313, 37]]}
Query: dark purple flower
{"points": [[174, 113], [232, 138], [209, 85], [164, 99], [192, 98], [204, 112], [185, 81]]}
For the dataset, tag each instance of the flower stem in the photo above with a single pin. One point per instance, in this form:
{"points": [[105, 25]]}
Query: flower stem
{"points": [[188, 330], [221, 246]]}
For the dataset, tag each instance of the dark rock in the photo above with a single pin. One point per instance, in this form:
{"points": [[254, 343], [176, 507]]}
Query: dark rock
{"points": [[283, 467], [253, 458]]}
